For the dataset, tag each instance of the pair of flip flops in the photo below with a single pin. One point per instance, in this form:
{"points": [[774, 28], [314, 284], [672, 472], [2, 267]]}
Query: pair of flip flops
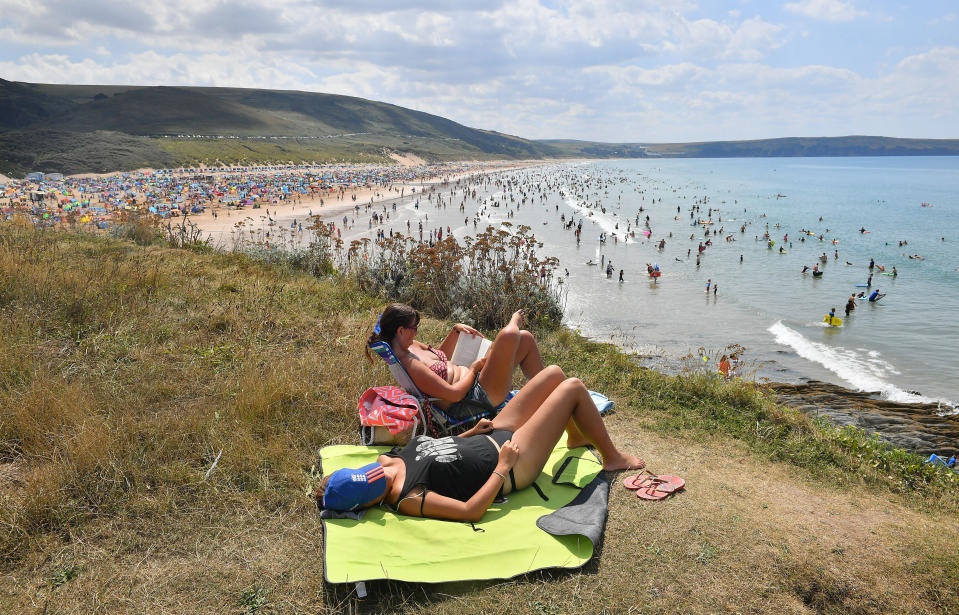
{"points": [[654, 487]]}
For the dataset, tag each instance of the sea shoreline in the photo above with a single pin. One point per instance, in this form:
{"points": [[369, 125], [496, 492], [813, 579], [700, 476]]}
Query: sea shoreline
{"points": [[916, 427], [911, 426], [921, 428]]}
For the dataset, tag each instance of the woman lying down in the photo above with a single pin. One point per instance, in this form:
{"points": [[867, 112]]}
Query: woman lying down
{"points": [[457, 478]]}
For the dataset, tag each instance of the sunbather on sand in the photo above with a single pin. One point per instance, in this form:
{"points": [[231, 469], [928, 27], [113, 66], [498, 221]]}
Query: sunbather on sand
{"points": [[484, 384], [458, 477]]}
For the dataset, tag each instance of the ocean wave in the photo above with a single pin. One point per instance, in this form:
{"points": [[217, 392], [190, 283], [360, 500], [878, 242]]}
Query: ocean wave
{"points": [[864, 370], [596, 216]]}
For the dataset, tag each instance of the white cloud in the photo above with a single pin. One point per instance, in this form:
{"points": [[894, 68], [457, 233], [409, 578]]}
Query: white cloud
{"points": [[152, 68], [617, 70], [826, 10]]}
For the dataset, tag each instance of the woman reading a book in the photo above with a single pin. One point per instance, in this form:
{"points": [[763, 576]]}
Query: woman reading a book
{"points": [[458, 477], [483, 382]]}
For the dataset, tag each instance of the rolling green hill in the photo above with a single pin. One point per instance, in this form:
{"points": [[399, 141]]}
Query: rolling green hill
{"points": [[96, 128], [80, 128], [21, 105]]}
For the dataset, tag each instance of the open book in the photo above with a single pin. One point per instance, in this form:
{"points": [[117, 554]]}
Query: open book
{"points": [[469, 348]]}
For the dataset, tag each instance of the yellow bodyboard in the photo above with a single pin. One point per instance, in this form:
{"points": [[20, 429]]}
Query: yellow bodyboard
{"points": [[834, 320]]}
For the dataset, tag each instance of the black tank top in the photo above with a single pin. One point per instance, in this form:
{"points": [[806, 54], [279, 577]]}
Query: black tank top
{"points": [[454, 467]]}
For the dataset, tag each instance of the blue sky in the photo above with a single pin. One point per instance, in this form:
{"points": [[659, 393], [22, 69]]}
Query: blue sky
{"points": [[608, 70]]}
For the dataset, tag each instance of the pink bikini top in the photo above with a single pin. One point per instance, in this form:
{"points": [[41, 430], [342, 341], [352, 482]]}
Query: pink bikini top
{"points": [[439, 367]]}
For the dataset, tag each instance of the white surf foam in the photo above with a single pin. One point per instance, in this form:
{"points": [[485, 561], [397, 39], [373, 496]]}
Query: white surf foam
{"points": [[606, 223], [864, 370]]}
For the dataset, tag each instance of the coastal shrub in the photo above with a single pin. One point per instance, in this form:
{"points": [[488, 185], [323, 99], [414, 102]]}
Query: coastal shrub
{"points": [[481, 281], [184, 233], [908, 470], [142, 229], [321, 257]]}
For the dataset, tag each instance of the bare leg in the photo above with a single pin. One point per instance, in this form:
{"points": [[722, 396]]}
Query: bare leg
{"points": [[511, 348], [528, 355], [539, 434], [530, 397]]}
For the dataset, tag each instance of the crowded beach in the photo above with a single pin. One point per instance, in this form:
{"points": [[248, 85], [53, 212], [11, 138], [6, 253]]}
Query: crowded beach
{"points": [[96, 201]]}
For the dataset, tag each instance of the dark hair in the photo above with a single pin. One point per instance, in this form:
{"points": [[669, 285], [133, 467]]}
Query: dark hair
{"points": [[320, 490], [395, 315]]}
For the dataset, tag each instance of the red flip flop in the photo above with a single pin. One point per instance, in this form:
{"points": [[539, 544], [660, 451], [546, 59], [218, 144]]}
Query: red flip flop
{"points": [[665, 481], [653, 492], [638, 481], [660, 487], [672, 483]]}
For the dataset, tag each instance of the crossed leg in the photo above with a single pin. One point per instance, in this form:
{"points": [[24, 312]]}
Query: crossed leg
{"points": [[539, 414]]}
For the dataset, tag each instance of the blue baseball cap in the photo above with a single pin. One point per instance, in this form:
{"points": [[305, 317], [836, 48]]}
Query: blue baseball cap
{"points": [[349, 489]]}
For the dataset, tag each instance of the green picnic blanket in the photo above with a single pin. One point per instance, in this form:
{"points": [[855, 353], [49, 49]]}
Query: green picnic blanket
{"points": [[505, 543]]}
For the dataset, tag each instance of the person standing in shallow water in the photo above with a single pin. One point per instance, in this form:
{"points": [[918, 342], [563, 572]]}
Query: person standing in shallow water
{"points": [[620, 275]]}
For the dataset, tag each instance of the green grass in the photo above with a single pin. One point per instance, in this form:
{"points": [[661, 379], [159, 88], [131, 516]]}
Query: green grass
{"points": [[703, 404], [262, 151], [127, 369]]}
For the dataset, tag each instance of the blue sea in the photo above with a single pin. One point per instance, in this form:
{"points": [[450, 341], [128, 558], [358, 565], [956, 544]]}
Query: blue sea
{"points": [[906, 346]]}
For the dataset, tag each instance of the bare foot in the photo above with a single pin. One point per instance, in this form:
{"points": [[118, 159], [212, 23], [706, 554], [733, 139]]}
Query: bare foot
{"points": [[624, 462], [519, 318]]}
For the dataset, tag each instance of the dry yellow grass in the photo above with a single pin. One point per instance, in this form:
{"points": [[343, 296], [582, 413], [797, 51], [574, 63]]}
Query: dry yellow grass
{"points": [[125, 370]]}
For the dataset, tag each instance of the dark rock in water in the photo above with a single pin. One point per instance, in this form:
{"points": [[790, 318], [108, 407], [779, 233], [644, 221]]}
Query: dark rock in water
{"points": [[918, 428]]}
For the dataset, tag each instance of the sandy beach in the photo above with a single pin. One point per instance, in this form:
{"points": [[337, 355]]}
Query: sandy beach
{"points": [[219, 223], [258, 199]]}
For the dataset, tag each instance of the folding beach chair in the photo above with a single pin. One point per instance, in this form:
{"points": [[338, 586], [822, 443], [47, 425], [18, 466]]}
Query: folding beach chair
{"points": [[444, 423]]}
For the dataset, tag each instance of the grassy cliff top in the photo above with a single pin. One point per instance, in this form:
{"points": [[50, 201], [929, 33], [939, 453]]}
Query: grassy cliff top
{"points": [[127, 369]]}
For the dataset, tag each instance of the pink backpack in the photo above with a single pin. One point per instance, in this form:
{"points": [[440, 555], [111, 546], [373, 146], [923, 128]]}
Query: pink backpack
{"points": [[389, 415]]}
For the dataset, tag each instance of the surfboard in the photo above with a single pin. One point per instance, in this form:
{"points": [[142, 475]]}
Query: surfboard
{"points": [[655, 274], [834, 321], [862, 286], [892, 274]]}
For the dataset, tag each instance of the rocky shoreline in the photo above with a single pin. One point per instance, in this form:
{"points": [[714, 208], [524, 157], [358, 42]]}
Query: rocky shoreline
{"points": [[918, 428]]}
